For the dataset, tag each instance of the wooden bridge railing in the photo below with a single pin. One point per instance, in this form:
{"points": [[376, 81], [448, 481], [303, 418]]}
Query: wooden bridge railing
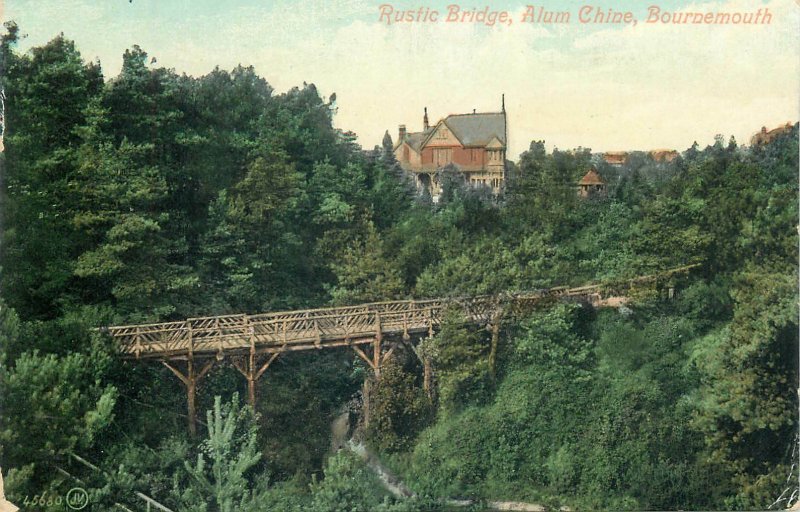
{"points": [[254, 341], [281, 331], [315, 328]]}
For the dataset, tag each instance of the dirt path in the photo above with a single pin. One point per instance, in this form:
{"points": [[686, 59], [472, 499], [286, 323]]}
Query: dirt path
{"points": [[394, 485], [389, 480]]}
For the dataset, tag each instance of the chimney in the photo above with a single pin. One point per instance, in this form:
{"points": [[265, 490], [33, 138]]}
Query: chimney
{"points": [[402, 133], [503, 102], [473, 110], [425, 124]]}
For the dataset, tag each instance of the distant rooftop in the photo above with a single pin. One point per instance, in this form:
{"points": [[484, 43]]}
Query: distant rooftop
{"points": [[765, 136]]}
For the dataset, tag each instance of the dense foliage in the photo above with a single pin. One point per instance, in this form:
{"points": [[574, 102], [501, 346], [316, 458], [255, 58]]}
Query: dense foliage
{"points": [[154, 196]]}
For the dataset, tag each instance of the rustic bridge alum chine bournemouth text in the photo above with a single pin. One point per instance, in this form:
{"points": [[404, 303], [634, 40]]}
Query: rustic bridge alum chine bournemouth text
{"points": [[253, 342]]}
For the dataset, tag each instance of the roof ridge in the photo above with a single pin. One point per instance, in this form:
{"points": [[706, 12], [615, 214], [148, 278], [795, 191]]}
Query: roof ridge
{"points": [[444, 121], [476, 114]]}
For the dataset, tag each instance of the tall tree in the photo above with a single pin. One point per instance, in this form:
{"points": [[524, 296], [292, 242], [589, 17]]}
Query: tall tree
{"points": [[365, 273], [47, 95], [749, 378], [247, 252]]}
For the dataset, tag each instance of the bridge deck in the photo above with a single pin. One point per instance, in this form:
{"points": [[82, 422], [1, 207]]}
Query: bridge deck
{"points": [[328, 327]]}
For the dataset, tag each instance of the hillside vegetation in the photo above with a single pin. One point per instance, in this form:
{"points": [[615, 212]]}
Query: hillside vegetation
{"points": [[154, 196]]}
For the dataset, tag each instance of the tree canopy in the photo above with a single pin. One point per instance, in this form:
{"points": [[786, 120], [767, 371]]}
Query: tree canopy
{"points": [[153, 196]]}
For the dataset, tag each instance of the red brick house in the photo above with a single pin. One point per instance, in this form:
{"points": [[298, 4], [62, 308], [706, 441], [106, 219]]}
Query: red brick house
{"points": [[474, 143]]}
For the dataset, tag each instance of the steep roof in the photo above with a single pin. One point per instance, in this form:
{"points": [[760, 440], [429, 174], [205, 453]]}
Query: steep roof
{"points": [[470, 129], [663, 155], [414, 139], [592, 178], [478, 129], [615, 157]]}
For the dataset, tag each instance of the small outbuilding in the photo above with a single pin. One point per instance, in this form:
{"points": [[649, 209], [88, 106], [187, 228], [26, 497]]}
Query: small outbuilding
{"points": [[592, 185]]}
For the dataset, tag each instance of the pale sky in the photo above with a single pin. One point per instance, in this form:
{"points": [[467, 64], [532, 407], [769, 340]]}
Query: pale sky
{"points": [[601, 86]]}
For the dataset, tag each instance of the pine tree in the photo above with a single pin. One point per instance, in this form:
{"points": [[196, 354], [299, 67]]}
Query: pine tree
{"points": [[365, 274], [220, 476]]}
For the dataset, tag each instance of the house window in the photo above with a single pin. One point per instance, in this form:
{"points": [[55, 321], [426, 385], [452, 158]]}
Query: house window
{"points": [[442, 156]]}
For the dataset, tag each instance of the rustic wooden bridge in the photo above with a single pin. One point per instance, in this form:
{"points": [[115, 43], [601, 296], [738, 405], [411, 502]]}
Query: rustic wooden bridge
{"points": [[253, 342]]}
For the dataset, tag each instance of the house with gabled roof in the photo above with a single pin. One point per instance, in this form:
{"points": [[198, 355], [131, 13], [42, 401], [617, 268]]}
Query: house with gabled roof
{"points": [[475, 144]]}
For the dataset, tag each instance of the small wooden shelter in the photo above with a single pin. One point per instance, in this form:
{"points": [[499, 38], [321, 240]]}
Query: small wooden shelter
{"points": [[592, 185]]}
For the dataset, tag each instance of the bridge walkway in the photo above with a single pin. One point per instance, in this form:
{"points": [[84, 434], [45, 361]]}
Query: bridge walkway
{"points": [[253, 342]]}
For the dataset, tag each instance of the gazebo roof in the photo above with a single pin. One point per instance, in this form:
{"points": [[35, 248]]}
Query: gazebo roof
{"points": [[592, 178]]}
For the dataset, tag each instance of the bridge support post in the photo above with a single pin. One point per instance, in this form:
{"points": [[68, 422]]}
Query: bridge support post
{"points": [[366, 398], [427, 377], [191, 379], [494, 328], [427, 365], [252, 372], [251, 390], [427, 368], [375, 361], [376, 349]]}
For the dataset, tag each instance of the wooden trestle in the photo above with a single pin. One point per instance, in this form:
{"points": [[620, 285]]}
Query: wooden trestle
{"points": [[253, 342]]}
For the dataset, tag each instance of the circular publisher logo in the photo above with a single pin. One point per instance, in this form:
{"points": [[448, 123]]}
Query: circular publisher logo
{"points": [[77, 498]]}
